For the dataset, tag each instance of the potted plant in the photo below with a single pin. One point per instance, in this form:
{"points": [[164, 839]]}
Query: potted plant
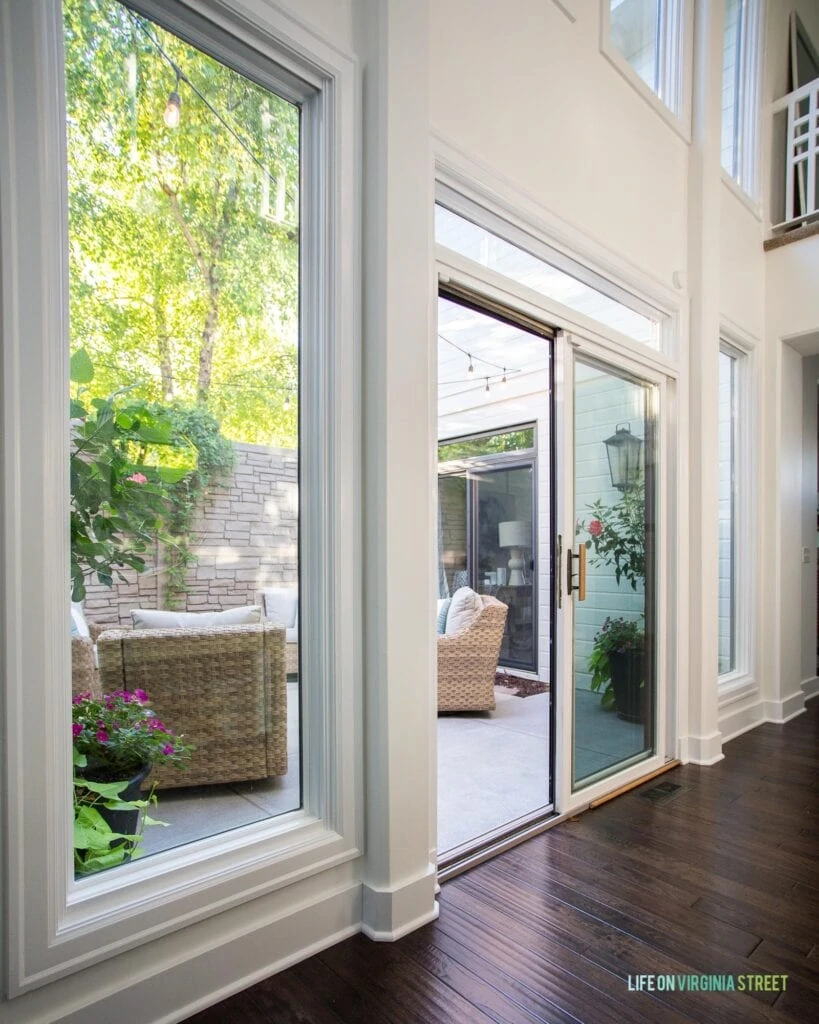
{"points": [[617, 665], [616, 537], [117, 740]]}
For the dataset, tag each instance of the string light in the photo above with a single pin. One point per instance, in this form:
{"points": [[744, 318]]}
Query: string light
{"points": [[287, 402], [486, 389], [504, 382], [173, 107], [470, 370]]}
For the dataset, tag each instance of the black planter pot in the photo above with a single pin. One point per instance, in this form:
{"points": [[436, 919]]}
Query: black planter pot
{"points": [[627, 674], [124, 822]]}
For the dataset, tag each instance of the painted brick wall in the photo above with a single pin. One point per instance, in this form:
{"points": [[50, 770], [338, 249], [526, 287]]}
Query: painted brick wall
{"points": [[245, 538]]}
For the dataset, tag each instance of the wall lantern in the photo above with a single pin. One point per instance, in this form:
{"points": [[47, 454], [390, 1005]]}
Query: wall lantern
{"points": [[625, 452]]}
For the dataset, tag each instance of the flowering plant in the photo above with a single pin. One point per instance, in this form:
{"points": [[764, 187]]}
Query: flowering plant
{"points": [[617, 533], [118, 734], [615, 636]]}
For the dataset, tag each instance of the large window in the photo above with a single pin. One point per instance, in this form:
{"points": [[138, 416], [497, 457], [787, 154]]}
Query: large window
{"points": [[647, 40], [740, 92], [727, 511], [195, 271]]}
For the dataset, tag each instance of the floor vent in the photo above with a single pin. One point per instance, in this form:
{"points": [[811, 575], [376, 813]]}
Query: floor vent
{"points": [[663, 792]]}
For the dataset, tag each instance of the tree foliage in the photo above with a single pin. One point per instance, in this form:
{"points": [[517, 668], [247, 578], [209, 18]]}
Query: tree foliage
{"points": [[183, 241]]}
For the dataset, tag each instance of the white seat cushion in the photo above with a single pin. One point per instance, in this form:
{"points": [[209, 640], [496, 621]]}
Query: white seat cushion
{"points": [[465, 608]]}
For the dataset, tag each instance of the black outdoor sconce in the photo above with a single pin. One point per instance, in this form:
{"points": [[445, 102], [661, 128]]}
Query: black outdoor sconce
{"points": [[625, 452]]}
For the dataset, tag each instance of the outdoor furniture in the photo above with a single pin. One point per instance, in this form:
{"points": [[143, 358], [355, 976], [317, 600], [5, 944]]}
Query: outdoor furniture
{"points": [[84, 674], [468, 660], [222, 687], [281, 606]]}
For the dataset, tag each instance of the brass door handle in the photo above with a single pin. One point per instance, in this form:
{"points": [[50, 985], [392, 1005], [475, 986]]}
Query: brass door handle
{"points": [[580, 572]]}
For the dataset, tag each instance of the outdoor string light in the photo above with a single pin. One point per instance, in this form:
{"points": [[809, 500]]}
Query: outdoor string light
{"points": [[173, 107]]}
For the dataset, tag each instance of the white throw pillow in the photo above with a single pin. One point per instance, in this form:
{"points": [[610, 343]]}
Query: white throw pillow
{"points": [[465, 608], [79, 626], [148, 618]]}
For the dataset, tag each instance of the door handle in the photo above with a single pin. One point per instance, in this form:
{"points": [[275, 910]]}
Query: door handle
{"points": [[580, 572]]}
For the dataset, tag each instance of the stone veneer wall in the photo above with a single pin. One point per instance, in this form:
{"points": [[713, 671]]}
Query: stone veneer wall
{"points": [[245, 538]]}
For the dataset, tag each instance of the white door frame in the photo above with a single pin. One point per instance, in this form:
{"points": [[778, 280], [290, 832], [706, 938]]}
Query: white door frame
{"points": [[567, 347], [583, 335]]}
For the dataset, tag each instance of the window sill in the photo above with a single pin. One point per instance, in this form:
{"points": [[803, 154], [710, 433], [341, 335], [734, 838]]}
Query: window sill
{"points": [[734, 687], [752, 205]]}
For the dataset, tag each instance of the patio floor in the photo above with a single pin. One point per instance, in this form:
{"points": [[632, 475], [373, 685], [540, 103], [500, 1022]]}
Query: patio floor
{"points": [[492, 770]]}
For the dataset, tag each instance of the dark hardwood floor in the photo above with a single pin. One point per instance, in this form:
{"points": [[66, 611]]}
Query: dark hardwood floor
{"points": [[719, 878]]}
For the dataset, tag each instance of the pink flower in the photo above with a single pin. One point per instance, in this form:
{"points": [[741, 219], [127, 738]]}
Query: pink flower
{"points": [[595, 527], [141, 696], [102, 736], [76, 729], [168, 749], [137, 478]]}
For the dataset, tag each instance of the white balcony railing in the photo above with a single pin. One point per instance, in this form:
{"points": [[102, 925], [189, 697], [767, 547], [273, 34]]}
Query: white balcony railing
{"points": [[801, 153]]}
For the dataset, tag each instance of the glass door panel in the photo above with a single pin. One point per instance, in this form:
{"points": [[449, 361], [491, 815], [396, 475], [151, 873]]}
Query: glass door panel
{"points": [[504, 556], [613, 647]]}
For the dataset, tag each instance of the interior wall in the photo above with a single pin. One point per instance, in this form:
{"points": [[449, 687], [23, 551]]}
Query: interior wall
{"points": [[572, 133]]}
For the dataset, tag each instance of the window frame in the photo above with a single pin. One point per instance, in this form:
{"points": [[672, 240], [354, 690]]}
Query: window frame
{"points": [[739, 681], [54, 924], [673, 99], [744, 181]]}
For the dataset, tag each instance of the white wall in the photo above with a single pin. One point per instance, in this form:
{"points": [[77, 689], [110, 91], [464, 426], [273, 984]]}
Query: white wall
{"points": [[526, 93]]}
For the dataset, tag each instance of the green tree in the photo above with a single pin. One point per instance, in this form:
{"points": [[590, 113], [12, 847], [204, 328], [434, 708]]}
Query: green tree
{"points": [[183, 241]]}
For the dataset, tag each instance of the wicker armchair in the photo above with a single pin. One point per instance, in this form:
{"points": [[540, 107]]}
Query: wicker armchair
{"points": [[84, 674], [467, 661], [222, 687]]}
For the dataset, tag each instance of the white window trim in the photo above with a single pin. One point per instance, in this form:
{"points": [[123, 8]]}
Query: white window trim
{"points": [[741, 681], [748, 133], [55, 925], [676, 48], [530, 229]]}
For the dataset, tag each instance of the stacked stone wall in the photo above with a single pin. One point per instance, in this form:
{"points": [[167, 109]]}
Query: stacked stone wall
{"points": [[245, 538]]}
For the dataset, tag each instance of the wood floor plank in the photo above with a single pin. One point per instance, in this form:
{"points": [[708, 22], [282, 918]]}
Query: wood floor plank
{"points": [[720, 880]]}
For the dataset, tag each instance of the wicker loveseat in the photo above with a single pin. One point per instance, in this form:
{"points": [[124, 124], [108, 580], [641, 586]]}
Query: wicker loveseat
{"points": [[222, 687], [467, 661]]}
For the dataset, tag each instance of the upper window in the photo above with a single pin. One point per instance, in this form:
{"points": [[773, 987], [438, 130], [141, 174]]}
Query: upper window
{"points": [[646, 40], [727, 511], [556, 277], [739, 92]]}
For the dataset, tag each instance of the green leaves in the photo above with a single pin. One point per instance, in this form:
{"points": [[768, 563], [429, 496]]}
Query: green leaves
{"points": [[82, 369]]}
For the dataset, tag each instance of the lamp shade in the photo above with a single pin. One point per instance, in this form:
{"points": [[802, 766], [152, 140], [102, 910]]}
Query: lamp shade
{"points": [[625, 452], [515, 534]]}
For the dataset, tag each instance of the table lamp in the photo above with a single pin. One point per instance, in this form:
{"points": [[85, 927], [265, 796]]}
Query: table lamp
{"points": [[516, 535]]}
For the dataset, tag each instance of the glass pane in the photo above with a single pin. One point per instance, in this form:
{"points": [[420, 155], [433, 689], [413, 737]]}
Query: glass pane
{"points": [[494, 539], [613, 627], [184, 253], [727, 505], [635, 31], [491, 444], [505, 556], [478, 244], [731, 85]]}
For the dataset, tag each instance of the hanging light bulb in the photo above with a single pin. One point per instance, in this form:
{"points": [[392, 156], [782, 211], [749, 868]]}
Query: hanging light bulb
{"points": [[470, 370], [287, 402], [173, 107], [504, 382], [486, 389]]}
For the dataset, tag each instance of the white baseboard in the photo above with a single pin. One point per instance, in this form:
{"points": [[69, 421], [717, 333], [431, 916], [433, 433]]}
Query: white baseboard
{"points": [[781, 711], [387, 914], [701, 749], [735, 723], [810, 687], [169, 980]]}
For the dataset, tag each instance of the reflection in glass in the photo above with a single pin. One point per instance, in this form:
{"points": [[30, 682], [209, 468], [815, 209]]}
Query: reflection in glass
{"points": [[183, 274], [635, 31], [613, 627]]}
